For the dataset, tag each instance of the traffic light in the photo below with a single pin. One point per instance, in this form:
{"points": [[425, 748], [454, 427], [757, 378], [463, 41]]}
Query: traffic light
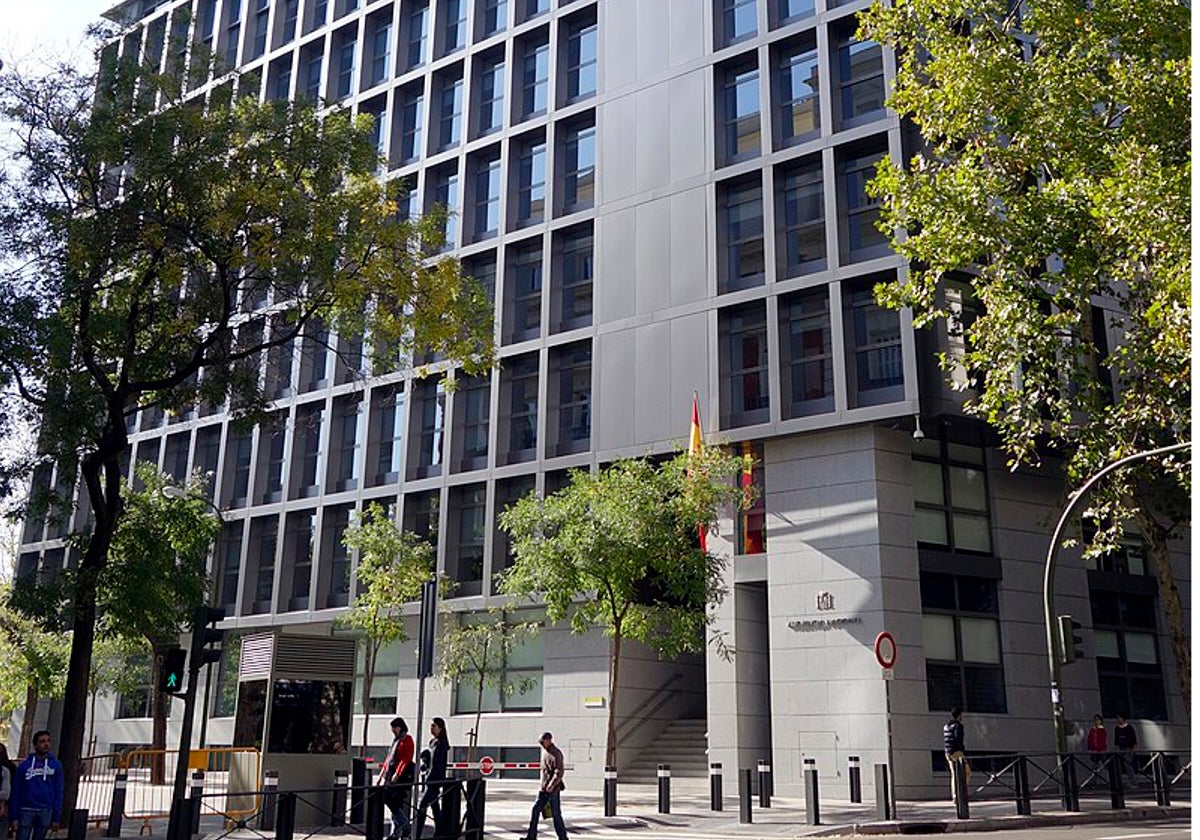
{"points": [[170, 678], [203, 636], [1072, 644]]}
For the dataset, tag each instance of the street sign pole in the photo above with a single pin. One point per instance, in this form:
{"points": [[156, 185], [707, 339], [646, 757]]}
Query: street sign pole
{"points": [[885, 655], [424, 669]]}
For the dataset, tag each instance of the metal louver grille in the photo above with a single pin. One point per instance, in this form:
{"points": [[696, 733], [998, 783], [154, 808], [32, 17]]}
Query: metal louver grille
{"points": [[314, 657], [257, 652]]}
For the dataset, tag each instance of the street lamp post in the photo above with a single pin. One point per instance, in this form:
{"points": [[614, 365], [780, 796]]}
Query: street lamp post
{"points": [[1053, 643]]}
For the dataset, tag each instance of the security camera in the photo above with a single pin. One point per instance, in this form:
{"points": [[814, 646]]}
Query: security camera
{"points": [[918, 434]]}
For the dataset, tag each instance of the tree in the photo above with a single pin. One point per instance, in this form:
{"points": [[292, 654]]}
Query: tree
{"points": [[159, 248], [619, 549], [474, 650], [392, 566], [1055, 176], [32, 665]]}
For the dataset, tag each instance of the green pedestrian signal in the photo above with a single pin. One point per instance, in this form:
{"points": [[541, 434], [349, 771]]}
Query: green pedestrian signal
{"points": [[171, 677]]}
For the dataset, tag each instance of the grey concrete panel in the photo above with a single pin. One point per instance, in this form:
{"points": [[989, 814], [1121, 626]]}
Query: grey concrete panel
{"points": [[688, 258], [616, 290], [617, 363], [653, 260], [652, 415]]}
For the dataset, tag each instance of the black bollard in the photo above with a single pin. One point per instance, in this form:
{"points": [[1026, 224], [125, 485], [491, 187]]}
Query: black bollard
{"points": [[196, 801], [475, 811], [716, 795], [270, 800], [77, 827], [664, 788], [374, 808], [884, 809], [610, 791], [958, 777], [285, 819], [341, 783], [812, 800], [1070, 787], [451, 809], [1021, 784], [745, 785], [1116, 784], [116, 811], [764, 784], [855, 776], [180, 816], [358, 787], [1162, 780]]}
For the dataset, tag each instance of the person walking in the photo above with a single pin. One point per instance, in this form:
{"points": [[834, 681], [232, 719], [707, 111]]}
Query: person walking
{"points": [[8, 778], [1097, 742], [35, 805], [550, 792], [397, 776], [439, 754], [956, 751], [1125, 739]]}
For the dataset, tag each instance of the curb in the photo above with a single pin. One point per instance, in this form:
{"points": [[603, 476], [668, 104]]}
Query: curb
{"points": [[935, 826]]}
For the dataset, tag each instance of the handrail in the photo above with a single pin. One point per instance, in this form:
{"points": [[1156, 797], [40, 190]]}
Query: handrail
{"points": [[639, 716]]}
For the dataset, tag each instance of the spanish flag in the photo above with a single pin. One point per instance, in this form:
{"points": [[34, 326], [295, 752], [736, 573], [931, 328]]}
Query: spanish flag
{"points": [[695, 444]]}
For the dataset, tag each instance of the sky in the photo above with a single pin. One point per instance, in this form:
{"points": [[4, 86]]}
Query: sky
{"points": [[39, 30]]}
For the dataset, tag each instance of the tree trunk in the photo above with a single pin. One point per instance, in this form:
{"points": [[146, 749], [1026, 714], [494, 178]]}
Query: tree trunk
{"points": [[31, 701], [1172, 607], [102, 473], [158, 712], [478, 717], [372, 653], [614, 671]]}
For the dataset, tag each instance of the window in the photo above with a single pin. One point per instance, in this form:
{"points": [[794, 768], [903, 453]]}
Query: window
{"points": [[385, 679], [454, 25], [450, 113], [520, 398], [739, 19], [473, 400], [573, 381], [491, 96], [430, 408], [412, 117], [280, 360], [791, 10], [336, 521], [802, 239], [877, 373], [381, 51], [1127, 663], [573, 304], [208, 451], [418, 34], [233, 32], [493, 17], [799, 109], [860, 77], [308, 457], [807, 343], [291, 11], [520, 666], [482, 268], [315, 356], [535, 79], [238, 469], [468, 511], [487, 198], [444, 193], [175, 461], [229, 556], [301, 530], [261, 13], [320, 14], [508, 492], [582, 54], [744, 264], [750, 526], [951, 496], [225, 690], [742, 132], [861, 239], [311, 64], [387, 430], [345, 445], [272, 446], [579, 168], [134, 704], [379, 119], [279, 79], [744, 394], [524, 293], [345, 66], [531, 183], [264, 535], [421, 511], [532, 8], [961, 636]]}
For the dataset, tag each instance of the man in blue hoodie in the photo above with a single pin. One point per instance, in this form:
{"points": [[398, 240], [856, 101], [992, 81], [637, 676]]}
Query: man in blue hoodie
{"points": [[36, 803]]}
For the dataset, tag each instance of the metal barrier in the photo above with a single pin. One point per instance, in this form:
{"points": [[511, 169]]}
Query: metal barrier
{"points": [[150, 775], [98, 776]]}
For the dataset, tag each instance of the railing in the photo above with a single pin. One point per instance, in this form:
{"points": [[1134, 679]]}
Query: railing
{"points": [[97, 778]]}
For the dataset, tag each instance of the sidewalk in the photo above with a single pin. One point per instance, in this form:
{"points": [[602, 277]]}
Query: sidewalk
{"points": [[509, 802]]}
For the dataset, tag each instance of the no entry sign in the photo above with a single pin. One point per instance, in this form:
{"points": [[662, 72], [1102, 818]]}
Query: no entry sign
{"points": [[885, 650]]}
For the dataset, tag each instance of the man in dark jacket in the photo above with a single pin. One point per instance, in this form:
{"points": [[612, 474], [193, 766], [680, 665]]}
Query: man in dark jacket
{"points": [[952, 743], [36, 803], [551, 788]]}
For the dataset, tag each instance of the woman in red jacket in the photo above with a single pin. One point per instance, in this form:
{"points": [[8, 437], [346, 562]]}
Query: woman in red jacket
{"points": [[1097, 741]]}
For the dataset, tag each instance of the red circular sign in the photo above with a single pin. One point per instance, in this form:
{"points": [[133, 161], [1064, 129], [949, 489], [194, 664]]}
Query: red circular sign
{"points": [[486, 765], [885, 649]]}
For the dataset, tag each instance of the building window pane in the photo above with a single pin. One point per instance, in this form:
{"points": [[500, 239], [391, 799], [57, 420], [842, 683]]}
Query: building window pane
{"points": [[803, 235], [750, 525], [574, 393], [521, 401], [531, 184], [961, 638], [455, 23], [740, 19], [524, 294], [579, 176], [981, 640], [860, 72], [863, 239], [535, 79], [745, 263], [744, 362], [806, 339], [450, 113], [581, 61], [474, 397], [1127, 661], [799, 103], [575, 275], [938, 636], [790, 10], [487, 199], [947, 492], [411, 120], [418, 34], [742, 124], [876, 332], [491, 97], [495, 16]]}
